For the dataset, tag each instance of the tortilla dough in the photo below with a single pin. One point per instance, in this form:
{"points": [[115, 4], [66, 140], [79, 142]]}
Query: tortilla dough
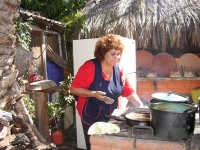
{"points": [[103, 128]]}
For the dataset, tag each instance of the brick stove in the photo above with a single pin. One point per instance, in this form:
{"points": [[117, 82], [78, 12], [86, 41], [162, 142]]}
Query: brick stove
{"points": [[140, 138]]}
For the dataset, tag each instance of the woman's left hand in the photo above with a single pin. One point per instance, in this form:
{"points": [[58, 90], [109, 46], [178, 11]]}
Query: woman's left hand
{"points": [[134, 99]]}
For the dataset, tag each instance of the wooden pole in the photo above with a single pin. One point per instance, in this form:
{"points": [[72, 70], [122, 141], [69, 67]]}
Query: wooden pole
{"points": [[41, 114]]}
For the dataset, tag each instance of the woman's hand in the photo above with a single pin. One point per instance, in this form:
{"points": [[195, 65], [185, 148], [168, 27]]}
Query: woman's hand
{"points": [[87, 93], [101, 96], [134, 99]]}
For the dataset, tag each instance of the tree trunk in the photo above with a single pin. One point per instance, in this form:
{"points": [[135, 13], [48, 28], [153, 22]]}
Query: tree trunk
{"points": [[9, 94], [8, 73]]}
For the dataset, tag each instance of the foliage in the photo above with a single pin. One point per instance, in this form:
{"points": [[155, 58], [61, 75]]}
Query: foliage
{"points": [[29, 103], [65, 98], [22, 32], [55, 110], [75, 23], [53, 9]]}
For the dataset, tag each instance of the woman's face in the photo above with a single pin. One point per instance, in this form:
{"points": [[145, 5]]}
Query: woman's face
{"points": [[112, 57]]}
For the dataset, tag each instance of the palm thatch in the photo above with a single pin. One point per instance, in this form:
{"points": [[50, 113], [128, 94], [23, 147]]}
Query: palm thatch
{"points": [[158, 24]]}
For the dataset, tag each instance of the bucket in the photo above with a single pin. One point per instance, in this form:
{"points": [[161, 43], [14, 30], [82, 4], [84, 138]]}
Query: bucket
{"points": [[57, 137]]}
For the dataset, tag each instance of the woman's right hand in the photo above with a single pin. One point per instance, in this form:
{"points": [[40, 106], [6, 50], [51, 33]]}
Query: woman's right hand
{"points": [[101, 96], [87, 93]]}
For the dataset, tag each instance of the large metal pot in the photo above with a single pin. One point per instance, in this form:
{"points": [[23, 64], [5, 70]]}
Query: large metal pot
{"points": [[172, 121]]}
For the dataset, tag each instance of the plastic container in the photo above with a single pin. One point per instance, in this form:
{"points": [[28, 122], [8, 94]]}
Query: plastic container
{"points": [[57, 137], [195, 94]]}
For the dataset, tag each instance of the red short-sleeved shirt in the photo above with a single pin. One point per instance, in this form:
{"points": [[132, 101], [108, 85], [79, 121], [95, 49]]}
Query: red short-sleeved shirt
{"points": [[84, 78]]}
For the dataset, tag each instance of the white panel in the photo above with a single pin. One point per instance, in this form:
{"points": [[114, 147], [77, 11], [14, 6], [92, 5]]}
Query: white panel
{"points": [[82, 51], [128, 59], [79, 132], [132, 78]]}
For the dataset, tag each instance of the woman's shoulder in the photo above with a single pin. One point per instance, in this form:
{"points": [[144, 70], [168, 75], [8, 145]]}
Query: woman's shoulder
{"points": [[87, 66]]}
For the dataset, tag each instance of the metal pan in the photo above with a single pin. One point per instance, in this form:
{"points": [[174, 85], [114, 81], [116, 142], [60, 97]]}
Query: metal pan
{"points": [[133, 118]]}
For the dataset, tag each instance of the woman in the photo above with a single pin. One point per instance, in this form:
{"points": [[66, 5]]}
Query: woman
{"points": [[99, 80]]}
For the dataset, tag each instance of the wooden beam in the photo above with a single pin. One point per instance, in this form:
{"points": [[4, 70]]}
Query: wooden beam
{"points": [[52, 90]]}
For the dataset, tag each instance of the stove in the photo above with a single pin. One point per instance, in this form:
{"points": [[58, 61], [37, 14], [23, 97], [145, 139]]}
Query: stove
{"points": [[140, 132]]}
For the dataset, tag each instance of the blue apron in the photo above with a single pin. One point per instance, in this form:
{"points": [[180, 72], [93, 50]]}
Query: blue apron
{"points": [[94, 109]]}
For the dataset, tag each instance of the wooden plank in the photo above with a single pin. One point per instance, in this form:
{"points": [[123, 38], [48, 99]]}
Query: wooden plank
{"points": [[52, 89], [41, 85]]}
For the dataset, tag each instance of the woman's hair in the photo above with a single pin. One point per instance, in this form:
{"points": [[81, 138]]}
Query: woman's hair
{"points": [[106, 43]]}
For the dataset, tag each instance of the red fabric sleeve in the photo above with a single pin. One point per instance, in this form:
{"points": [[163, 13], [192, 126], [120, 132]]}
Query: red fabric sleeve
{"points": [[128, 89], [83, 79], [84, 76]]}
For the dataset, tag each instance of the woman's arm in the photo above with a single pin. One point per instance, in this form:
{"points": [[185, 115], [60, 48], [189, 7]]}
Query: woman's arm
{"points": [[82, 81], [129, 92], [87, 93], [134, 99]]}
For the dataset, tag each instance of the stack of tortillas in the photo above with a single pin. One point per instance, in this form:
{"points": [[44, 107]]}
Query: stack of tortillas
{"points": [[103, 128]]}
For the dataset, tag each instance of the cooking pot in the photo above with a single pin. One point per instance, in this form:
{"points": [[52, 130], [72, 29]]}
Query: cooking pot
{"points": [[169, 97], [172, 121], [133, 118]]}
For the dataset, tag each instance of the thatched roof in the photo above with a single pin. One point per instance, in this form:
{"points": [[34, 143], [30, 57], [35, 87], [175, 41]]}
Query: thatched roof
{"points": [[158, 24]]}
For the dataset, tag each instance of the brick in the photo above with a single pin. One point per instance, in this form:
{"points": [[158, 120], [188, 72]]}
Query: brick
{"points": [[192, 85], [142, 144], [145, 84], [112, 141], [99, 147], [123, 143], [146, 91], [186, 81], [174, 85], [101, 140], [162, 85], [165, 90], [196, 81], [120, 149]]}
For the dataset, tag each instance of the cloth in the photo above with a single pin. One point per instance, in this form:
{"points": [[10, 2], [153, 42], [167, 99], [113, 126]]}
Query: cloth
{"points": [[5, 116], [85, 77], [94, 110]]}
